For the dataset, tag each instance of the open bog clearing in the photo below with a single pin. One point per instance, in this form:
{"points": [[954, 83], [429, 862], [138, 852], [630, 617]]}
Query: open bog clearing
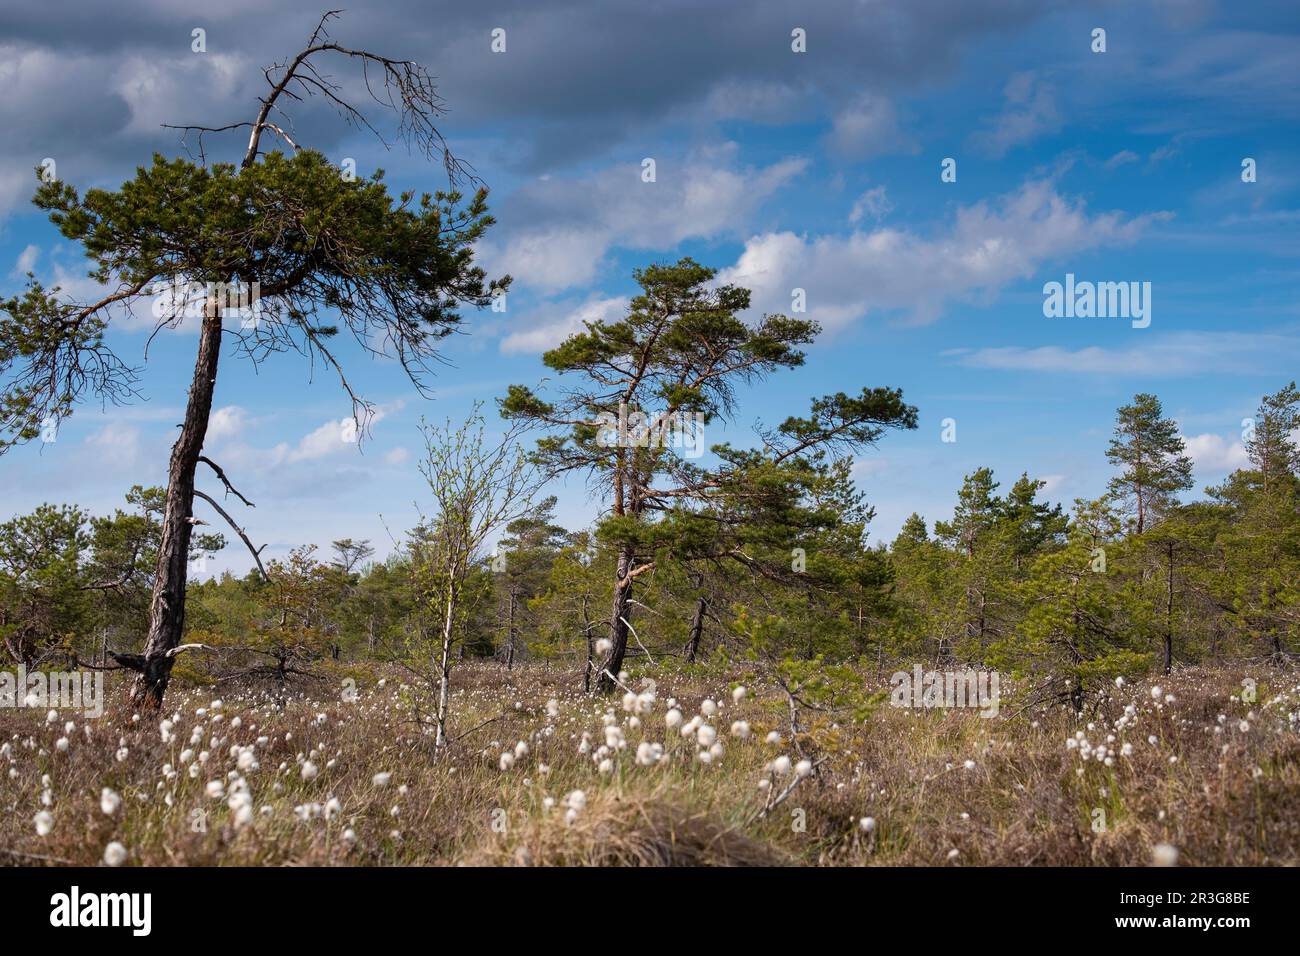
{"points": [[689, 770]]}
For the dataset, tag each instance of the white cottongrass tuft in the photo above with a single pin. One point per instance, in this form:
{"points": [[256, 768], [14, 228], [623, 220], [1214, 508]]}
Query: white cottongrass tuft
{"points": [[115, 854], [738, 694], [1164, 854], [673, 719], [603, 645], [109, 801], [867, 824], [44, 823], [648, 754], [381, 779], [803, 768], [781, 765], [708, 708], [740, 729]]}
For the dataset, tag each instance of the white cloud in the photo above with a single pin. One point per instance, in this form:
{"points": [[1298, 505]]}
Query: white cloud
{"points": [[397, 456], [1052, 483], [755, 101], [116, 444], [1214, 453], [867, 127], [1184, 353], [552, 329], [873, 203], [155, 87], [1030, 111], [558, 257], [26, 261], [567, 226], [227, 421], [870, 466], [327, 440], [888, 270]]}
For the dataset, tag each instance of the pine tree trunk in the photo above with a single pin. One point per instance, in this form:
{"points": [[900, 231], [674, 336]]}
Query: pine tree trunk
{"points": [[510, 633], [618, 624], [697, 629], [589, 665], [1169, 615], [167, 603]]}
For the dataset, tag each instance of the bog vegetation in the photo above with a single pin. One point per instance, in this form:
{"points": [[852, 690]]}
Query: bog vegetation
{"points": [[446, 704], [699, 676]]}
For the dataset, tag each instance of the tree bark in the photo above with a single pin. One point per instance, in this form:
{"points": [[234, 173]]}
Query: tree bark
{"points": [[167, 603], [697, 629], [510, 632], [606, 683], [1169, 615], [589, 664]]}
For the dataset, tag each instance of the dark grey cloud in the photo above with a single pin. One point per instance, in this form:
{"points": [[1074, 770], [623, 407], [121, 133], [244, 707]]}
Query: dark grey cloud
{"points": [[90, 83]]}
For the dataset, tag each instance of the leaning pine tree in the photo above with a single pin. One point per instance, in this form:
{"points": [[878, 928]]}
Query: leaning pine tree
{"points": [[678, 356], [307, 237]]}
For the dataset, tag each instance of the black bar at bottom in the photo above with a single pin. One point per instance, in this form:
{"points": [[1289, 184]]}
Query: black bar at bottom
{"points": [[303, 905]]}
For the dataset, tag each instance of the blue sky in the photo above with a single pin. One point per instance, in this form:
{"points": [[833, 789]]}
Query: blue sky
{"points": [[816, 170]]}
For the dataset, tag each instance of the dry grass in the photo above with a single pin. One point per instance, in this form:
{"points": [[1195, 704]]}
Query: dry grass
{"points": [[1221, 791]]}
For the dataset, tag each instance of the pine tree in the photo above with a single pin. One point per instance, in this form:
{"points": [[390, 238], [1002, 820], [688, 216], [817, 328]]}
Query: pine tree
{"points": [[1150, 453], [392, 271], [681, 351], [1272, 448]]}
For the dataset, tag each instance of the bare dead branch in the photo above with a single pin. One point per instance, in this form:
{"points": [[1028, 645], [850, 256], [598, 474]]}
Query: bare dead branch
{"points": [[230, 489], [255, 552]]}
